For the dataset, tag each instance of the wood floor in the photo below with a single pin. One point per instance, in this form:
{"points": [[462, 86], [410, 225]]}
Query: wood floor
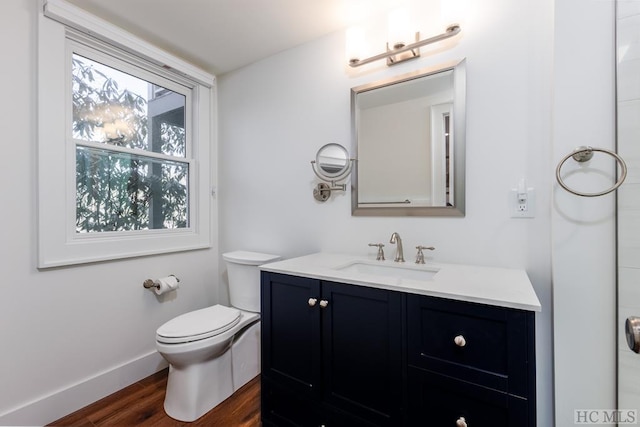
{"points": [[141, 404]]}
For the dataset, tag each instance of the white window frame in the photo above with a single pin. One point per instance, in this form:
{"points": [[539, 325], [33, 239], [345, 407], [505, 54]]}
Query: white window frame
{"points": [[62, 30]]}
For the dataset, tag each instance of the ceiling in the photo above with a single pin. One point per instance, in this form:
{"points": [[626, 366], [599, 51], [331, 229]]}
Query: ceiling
{"points": [[223, 35]]}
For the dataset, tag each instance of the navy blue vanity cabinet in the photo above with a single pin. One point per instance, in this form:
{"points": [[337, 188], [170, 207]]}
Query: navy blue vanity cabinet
{"points": [[331, 353], [470, 364], [338, 355]]}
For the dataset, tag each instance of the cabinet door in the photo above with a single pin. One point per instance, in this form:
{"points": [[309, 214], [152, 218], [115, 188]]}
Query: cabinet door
{"points": [[362, 351], [283, 408], [291, 332], [436, 400]]}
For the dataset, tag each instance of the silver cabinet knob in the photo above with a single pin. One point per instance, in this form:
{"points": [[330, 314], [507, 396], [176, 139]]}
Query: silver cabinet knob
{"points": [[461, 422], [460, 342], [632, 331], [312, 301], [324, 303]]}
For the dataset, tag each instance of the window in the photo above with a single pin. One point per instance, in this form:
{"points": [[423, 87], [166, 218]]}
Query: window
{"points": [[130, 141], [124, 168]]}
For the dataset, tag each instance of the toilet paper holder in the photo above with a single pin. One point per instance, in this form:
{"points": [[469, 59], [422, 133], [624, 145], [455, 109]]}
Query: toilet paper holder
{"points": [[150, 283]]}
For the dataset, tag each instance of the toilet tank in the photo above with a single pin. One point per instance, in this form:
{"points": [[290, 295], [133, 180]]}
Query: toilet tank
{"points": [[244, 278]]}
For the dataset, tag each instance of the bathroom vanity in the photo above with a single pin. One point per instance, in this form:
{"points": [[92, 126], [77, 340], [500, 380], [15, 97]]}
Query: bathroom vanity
{"points": [[348, 341]]}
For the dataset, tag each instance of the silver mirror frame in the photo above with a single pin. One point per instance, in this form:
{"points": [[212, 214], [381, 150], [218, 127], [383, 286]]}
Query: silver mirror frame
{"points": [[459, 130]]}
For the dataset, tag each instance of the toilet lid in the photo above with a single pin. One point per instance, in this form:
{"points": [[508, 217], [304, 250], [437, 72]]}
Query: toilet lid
{"points": [[198, 325]]}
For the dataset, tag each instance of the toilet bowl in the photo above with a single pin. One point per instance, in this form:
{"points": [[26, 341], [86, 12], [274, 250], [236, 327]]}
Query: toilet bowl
{"points": [[214, 351]]}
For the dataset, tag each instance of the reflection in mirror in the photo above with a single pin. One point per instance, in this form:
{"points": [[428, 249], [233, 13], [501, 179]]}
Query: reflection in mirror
{"points": [[332, 160], [409, 138]]}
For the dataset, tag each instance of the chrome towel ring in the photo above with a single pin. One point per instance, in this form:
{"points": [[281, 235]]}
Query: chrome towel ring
{"points": [[583, 154]]}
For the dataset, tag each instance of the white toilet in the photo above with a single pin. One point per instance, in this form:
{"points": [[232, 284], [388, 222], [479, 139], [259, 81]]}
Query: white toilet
{"points": [[214, 351]]}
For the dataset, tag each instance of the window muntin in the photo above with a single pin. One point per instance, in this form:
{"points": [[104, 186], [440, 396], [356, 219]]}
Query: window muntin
{"points": [[119, 123]]}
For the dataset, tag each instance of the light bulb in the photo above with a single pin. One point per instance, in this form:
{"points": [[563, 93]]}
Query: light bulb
{"points": [[451, 11], [400, 29], [354, 43]]}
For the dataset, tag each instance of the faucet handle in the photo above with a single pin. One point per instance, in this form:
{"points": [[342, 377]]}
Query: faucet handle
{"points": [[380, 256], [420, 255]]}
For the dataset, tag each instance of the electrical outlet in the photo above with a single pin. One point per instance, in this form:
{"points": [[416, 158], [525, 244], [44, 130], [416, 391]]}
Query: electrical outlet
{"points": [[522, 202]]}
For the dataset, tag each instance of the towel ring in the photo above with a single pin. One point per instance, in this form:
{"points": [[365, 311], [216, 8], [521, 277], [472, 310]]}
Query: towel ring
{"points": [[583, 154]]}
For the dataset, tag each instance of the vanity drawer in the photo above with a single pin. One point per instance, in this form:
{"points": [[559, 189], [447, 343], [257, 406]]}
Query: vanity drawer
{"points": [[436, 400], [493, 347]]}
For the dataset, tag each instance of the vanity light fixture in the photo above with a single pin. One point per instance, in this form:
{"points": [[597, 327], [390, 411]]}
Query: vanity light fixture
{"points": [[399, 52]]}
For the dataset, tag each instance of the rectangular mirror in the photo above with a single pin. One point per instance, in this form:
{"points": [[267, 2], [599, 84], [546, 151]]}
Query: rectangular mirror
{"points": [[408, 138]]}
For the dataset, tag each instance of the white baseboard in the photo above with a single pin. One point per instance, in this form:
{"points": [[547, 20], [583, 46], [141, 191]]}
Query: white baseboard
{"points": [[56, 405]]}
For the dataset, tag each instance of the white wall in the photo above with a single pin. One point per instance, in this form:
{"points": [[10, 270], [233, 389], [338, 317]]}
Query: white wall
{"points": [[291, 104], [69, 335], [583, 238]]}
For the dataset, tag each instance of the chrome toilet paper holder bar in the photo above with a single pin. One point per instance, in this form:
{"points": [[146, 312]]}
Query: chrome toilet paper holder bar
{"points": [[150, 283]]}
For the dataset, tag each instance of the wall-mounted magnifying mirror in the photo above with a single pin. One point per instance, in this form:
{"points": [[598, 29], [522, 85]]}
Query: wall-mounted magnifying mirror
{"points": [[332, 160], [332, 164], [409, 137]]}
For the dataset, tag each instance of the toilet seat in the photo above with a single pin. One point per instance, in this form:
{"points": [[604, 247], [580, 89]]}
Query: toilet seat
{"points": [[198, 325]]}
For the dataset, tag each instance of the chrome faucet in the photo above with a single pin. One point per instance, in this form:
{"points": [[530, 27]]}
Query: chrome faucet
{"points": [[420, 254], [380, 256], [395, 238]]}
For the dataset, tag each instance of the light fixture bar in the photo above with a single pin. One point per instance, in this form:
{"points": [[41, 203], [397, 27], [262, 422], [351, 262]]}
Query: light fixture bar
{"points": [[451, 31]]}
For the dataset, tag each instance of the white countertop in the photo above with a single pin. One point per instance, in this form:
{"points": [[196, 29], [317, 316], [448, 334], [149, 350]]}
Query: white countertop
{"points": [[502, 287]]}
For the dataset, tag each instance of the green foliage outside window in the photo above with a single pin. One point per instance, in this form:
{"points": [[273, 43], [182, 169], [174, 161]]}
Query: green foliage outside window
{"points": [[124, 191]]}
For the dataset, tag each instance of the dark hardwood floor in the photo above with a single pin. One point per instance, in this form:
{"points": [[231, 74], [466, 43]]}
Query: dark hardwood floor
{"points": [[141, 404]]}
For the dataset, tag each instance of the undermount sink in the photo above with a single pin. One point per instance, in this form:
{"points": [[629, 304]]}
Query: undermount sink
{"points": [[400, 271]]}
